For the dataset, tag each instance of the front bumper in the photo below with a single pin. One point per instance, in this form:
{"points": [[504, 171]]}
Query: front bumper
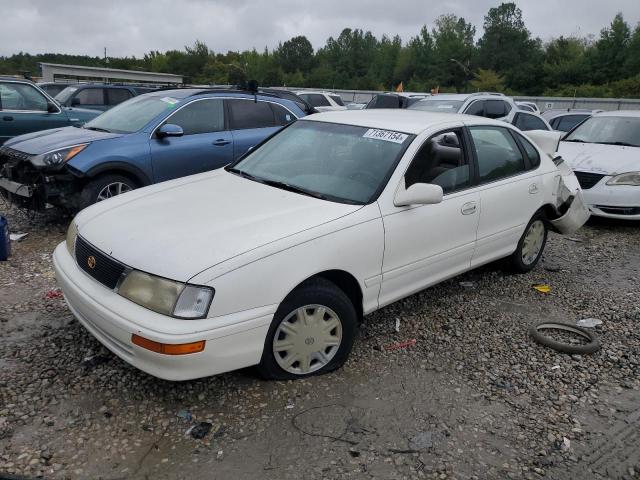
{"points": [[620, 201], [232, 341]]}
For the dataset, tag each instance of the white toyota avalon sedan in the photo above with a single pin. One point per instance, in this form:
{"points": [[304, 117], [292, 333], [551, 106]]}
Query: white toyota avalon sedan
{"points": [[273, 260], [604, 151]]}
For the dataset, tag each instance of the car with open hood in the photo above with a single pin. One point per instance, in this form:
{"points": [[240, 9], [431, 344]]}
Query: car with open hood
{"points": [[148, 139], [273, 260], [604, 152]]}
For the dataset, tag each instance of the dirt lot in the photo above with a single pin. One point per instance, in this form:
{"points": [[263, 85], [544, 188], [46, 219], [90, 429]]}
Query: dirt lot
{"points": [[474, 397]]}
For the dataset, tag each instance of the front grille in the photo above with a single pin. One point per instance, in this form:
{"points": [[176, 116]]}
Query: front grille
{"points": [[587, 179], [105, 269], [15, 155], [619, 210]]}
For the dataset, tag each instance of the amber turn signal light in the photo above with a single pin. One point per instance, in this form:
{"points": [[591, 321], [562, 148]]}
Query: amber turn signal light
{"points": [[168, 348]]}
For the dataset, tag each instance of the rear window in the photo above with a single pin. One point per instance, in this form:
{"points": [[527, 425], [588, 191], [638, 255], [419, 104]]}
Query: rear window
{"points": [[433, 105], [247, 114], [315, 99], [337, 99]]}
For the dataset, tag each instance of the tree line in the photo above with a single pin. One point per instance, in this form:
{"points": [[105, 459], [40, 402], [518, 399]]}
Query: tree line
{"points": [[446, 58]]}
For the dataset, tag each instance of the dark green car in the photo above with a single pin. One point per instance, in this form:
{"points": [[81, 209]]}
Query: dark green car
{"points": [[25, 108]]}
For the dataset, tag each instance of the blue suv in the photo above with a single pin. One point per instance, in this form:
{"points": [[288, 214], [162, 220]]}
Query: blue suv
{"points": [[148, 139]]}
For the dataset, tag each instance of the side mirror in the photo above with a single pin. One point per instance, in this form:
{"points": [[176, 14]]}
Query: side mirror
{"points": [[51, 107], [75, 102], [419, 194], [169, 130]]}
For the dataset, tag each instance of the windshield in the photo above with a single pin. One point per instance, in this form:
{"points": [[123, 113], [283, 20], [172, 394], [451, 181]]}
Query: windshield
{"points": [[432, 105], [132, 115], [65, 94], [341, 163], [608, 130]]}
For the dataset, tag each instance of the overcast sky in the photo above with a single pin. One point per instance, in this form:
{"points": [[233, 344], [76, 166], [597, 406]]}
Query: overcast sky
{"points": [[133, 27]]}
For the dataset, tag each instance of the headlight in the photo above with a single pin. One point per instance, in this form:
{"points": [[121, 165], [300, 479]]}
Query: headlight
{"points": [[165, 296], [629, 178], [72, 233], [57, 157]]}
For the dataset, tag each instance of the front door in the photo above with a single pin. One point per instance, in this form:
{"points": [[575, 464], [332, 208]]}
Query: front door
{"points": [[428, 243], [23, 109], [205, 145]]}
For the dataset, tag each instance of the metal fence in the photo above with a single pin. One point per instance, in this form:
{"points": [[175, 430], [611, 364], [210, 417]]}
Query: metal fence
{"points": [[544, 103]]}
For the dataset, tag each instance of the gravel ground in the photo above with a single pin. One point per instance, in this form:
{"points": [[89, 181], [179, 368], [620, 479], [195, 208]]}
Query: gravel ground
{"points": [[473, 397]]}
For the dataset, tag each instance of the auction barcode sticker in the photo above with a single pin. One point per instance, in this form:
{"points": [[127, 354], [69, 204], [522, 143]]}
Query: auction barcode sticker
{"points": [[386, 135]]}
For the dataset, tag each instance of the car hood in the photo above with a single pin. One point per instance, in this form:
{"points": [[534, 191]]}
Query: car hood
{"points": [[179, 228], [599, 158], [46, 140]]}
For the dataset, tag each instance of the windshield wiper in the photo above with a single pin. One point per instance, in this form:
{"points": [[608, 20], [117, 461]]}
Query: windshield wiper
{"points": [[244, 174], [577, 140], [277, 184], [622, 144], [293, 188], [98, 129]]}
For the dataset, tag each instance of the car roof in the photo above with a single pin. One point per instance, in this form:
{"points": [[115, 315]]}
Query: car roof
{"points": [[401, 120], [619, 113]]}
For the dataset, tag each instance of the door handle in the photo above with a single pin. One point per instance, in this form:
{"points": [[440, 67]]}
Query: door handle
{"points": [[469, 208], [7, 118], [533, 188], [221, 142]]}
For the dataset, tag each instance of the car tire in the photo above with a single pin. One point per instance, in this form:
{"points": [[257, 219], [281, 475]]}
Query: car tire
{"points": [[98, 188], [530, 246], [301, 341]]}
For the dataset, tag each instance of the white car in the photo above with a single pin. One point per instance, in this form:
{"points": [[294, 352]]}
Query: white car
{"points": [[528, 106], [273, 260], [526, 121], [604, 152], [322, 101], [483, 104]]}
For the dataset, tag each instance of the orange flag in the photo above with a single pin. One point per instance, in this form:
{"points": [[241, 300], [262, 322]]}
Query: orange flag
{"points": [[400, 87]]}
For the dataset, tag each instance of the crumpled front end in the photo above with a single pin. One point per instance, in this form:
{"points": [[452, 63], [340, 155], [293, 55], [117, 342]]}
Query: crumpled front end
{"points": [[27, 186]]}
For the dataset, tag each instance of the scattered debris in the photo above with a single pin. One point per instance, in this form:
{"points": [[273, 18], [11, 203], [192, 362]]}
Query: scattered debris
{"points": [[566, 444], [398, 325], [55, 293], [399, 345], [185, 415], [555, 367], [542, 287], [16, 237], [91, 361], [289, 404], [589, 322], [574, 239], [467, 284], [200, 430], [421, 441]]}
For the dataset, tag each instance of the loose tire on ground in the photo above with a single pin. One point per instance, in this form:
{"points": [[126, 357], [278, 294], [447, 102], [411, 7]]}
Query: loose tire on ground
{"points": [[92, 191], [295, 333], [536, 332]]}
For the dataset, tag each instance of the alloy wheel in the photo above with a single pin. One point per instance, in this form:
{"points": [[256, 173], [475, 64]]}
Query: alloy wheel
{"points": [[113, 189]]}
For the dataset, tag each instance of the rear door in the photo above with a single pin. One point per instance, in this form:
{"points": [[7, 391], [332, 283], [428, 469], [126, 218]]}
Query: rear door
{"points": [[207, 144], [251, 122], [117, 95], [23, 109], [509, 188], [93, 98]]}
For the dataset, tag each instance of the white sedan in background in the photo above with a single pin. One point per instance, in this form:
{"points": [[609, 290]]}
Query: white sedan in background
{"points": [[604, 152], [273, 260], [322, 101]]}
